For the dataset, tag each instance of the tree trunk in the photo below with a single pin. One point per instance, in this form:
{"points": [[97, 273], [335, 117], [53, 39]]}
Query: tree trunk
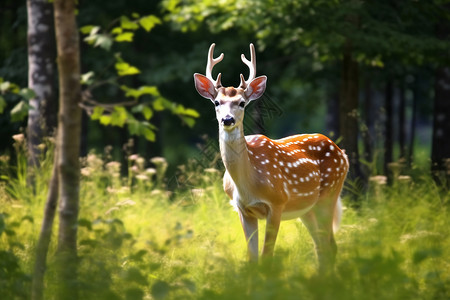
{"points": [[388, 129], [366, 131], [402, 132], [348, 112], [413, 123], [440, 153], [332, 118], [37, 290], [68, 143], [41, 69]]}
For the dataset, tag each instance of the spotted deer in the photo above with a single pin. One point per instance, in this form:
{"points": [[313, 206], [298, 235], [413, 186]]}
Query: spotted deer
{"points": [[299, 176]]}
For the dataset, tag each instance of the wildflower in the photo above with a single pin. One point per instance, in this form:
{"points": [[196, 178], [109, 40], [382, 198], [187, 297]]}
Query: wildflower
{"points": [[133, 157], [111, 210], [404, 178], [126, 202], [418, 235], [124, 190], [93, 161], [142, 177], [197, 192], [378, 180], [158, 160], [150, 171], [212, 171], [140, 162], [134, 169], [85, 171], [19, 138], [113, 167]]}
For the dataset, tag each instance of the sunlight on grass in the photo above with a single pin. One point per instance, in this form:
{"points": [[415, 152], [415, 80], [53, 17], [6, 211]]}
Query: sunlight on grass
{"points": [[138, 240]]}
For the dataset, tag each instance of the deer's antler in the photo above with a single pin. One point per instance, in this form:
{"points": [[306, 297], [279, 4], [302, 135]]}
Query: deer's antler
{"points": [[251, 65], [210, 65]]}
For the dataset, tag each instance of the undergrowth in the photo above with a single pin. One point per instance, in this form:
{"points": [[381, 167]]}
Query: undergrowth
{"points": [[139, 240]]}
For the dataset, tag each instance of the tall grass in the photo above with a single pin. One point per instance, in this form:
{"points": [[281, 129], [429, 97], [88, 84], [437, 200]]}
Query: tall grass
{"points": [[138, 240]]}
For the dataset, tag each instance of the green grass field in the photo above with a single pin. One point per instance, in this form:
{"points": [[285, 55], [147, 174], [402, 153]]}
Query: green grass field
{"points": [[139, 241]]}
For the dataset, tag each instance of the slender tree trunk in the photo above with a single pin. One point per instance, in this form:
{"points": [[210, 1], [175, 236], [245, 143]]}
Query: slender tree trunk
{"points": [[401, 124], [388, 129], [37, 290], [348, 112], [41, 69], [440, 154], [68, 143], [413, 122], [368, 123], [332, 119]]}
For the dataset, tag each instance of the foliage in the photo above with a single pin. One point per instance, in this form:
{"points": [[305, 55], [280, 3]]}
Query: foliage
{"points": [[378, 30], [137, 239], [143, 100], [13, 92]]}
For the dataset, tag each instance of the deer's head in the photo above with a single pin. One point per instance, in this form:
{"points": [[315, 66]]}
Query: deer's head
{"points": [[230, 102]]}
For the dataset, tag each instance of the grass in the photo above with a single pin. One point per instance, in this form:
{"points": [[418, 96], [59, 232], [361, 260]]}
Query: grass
{"points": [[137, 240]]}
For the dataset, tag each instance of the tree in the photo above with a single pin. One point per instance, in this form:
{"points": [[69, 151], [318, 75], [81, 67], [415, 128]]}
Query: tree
{"points": [[440, 155], [68, 143], [348, 111], [41, 67], [65, 183], [358, 35]]}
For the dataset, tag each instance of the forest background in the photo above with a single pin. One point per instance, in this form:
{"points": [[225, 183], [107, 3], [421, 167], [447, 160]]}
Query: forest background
{"points": [[372, 75]]}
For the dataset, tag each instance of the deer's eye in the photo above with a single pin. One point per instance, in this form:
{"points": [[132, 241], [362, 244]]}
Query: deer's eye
{"points": [[242, 104], [216, 103]]}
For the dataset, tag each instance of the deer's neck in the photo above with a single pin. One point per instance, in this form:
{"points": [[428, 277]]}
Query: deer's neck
{"points": [[233, 149]]}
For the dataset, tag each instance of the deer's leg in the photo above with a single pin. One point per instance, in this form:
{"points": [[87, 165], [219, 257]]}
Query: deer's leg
{"points": [[250, 226], [319, 222], [272, 226]]}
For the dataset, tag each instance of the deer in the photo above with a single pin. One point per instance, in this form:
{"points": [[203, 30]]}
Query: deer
{"points": [[299, 176]]}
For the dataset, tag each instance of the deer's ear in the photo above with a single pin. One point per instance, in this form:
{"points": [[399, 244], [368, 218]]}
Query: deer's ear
{"points": [[205, 87], [256, 88]]}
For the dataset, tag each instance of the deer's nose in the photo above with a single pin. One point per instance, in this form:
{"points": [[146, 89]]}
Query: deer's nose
{"points": [[228, 121]]}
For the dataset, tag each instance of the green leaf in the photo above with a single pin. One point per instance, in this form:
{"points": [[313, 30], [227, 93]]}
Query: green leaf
{"points": [[117, 30], [124, 69], [87, 78], [88, 28], [142, 90], [149, 22], [20, 111], [2, 104], [125, 37], [133, 126], [27, 93], [149, 134], [125, 23], [105, 119], [188, 120], [181, 110], [97, 113], [7, 86], [158, 104], [103, 41], [147, 112], [119, 116], [99, 40]]}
